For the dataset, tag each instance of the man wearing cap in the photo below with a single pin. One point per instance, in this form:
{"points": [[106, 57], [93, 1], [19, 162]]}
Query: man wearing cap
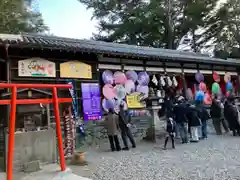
{"points": [[124, 123]]}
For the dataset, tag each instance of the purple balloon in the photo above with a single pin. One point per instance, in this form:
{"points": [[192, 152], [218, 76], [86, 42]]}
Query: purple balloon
{"points": [[107, 77], [143, 78], [108, 104], [143, 89], [132, 75], [199, 77]]}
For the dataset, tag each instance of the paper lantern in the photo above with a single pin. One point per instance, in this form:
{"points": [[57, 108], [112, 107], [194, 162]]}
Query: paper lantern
{"points": [[129, 86], [108, 91], [199, 77], [119, 78], [227, 77], [216, 77], [143, 79], [132, 75], [215, 88], [199, 96], [107, 77], [120, 92], [202, 86]]}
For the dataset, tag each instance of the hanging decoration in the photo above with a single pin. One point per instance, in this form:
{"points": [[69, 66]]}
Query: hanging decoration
{"points": [[207, 98], [108, 104], [162, 81], [199, 77], [120, 92], [132, 75], [108, 91], [216, 77], [129, 86], [229, 86], [227, 77], [119, 78], [199, 96], [202, 86], [215, 88], [107, 77], [143, 78], [175, 83], [144, 90]]}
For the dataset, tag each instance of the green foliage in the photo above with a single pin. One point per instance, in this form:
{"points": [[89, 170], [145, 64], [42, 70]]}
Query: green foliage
{"points": [[157, 23], [16, 16]]}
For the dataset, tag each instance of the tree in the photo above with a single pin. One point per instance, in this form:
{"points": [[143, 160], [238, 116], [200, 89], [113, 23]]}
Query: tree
{"points": [[228, 39], [16, 16], [157, 23]]}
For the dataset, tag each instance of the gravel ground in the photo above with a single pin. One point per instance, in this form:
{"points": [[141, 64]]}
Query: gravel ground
{"points": [[217, 158]]}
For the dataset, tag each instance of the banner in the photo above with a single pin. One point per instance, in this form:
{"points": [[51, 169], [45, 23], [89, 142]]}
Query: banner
{"points": [[74, 99], [134, 101]]}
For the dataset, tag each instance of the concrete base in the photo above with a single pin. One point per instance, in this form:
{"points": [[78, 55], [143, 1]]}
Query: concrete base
{"points": [[52, 172]]}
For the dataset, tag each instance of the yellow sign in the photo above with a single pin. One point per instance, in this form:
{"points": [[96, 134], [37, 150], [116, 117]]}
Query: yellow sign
{"points": [[133, 101], [75, 69]]}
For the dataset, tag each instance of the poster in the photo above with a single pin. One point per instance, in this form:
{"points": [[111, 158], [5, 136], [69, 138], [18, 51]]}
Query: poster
{"points": [[75, 69], [133, 101], [36, 67], [91, 101]]}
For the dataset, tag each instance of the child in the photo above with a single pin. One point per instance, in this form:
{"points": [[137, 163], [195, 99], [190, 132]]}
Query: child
{"points": [[171, 128], [112, 126]]}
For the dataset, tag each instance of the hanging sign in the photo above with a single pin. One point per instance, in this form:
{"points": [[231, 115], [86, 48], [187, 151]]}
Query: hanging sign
{"points": [[134, 100], [75, 69], [74, 99], [36, 67]]}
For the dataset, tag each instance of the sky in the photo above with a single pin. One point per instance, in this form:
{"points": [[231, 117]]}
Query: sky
{"points": [[67, 18]]}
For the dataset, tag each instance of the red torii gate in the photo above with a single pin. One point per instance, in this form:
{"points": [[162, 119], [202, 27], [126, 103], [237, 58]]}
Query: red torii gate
{"points": [[14, 101]]}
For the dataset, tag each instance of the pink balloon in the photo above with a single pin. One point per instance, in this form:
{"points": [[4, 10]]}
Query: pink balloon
{"points": [[108, 91], [202, 86], [119, 77], [129, 86]]}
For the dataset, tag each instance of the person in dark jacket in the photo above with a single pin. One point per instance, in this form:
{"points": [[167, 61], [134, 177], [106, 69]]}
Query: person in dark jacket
{"points": [[170, 128], [180, 111], [231, 115], [194, 122], [112, 126], [217, 116], [124, 123], [204, 116]]}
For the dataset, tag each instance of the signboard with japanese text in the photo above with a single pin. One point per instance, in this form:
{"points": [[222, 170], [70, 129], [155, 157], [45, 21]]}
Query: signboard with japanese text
{"points": [[36, 67], [75, 69]]}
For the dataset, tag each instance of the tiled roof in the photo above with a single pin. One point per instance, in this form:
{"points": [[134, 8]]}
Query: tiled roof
{"points": [[109, 48]]}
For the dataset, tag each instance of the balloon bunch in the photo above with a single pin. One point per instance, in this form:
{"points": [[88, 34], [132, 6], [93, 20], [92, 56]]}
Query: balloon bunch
{"points": [[119, 84], [229, 86], [215, 85], [199, 96]]}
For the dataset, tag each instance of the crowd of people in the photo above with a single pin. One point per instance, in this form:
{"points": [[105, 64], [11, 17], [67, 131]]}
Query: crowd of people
{"points": [[188, 119]]}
